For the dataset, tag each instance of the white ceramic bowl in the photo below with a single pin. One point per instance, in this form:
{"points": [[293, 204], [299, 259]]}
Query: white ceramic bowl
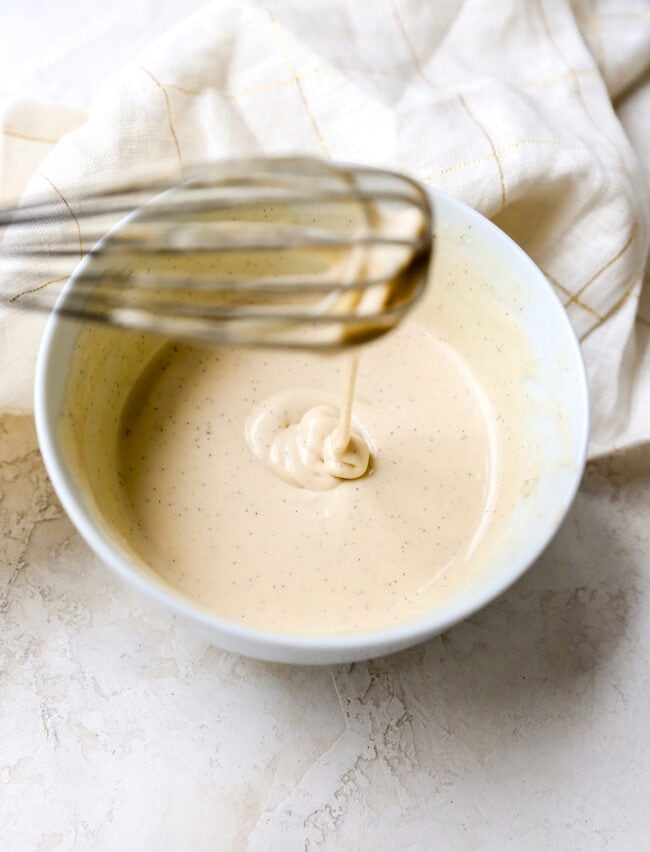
{"points": [[562, 451]]}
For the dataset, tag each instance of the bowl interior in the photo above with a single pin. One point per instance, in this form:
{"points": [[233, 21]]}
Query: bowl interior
{"points": [[101, 365]]}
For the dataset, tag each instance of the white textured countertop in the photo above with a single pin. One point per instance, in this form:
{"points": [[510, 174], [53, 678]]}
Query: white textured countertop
{"points": [[525, 727]]}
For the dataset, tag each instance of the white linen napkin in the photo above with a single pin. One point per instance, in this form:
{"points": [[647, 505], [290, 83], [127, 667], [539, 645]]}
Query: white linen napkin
{"points": [[509, 106]]}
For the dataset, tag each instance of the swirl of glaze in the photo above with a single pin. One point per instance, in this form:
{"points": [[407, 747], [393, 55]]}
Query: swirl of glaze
{"points": [[294, 433]]}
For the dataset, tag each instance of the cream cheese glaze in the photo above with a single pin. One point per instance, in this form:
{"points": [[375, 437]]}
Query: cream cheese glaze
{"points": [[309, 439], [440, 406], [258, 549]]}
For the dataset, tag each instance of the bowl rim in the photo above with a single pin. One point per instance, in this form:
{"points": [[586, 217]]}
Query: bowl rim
{"points": [[292, 647]]}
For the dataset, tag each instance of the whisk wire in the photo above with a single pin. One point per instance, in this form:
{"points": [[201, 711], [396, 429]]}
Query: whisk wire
{"points": [[289, 252]]}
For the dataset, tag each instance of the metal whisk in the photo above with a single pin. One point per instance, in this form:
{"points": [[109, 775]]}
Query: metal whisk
{"points": [[284, 252]]}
